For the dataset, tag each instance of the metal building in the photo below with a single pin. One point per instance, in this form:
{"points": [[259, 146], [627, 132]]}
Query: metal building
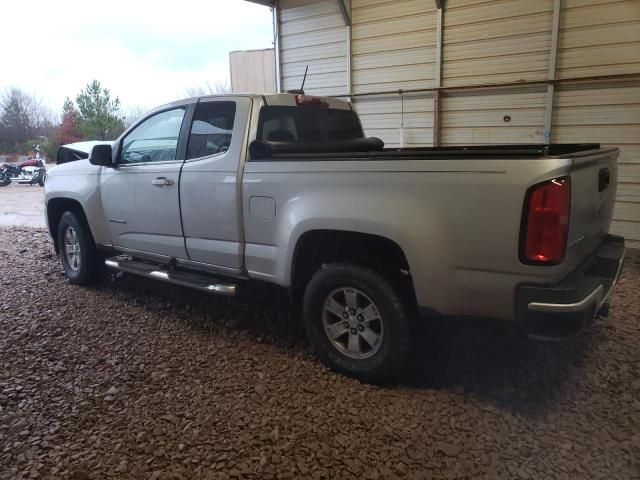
{"points": [[446, 72], [253, 71]]}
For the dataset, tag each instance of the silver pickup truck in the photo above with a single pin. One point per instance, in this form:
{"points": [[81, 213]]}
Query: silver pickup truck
{"points": [[212, 192]]}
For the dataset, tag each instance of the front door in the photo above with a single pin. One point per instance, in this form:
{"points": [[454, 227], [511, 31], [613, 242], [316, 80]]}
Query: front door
{"points": [[140, 197]]}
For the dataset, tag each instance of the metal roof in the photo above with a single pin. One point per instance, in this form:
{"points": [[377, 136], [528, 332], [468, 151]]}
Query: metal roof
{"points": [[266, 3]]}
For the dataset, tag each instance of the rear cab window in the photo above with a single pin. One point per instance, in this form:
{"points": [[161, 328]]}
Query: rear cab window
{"points": [[305, 124]]}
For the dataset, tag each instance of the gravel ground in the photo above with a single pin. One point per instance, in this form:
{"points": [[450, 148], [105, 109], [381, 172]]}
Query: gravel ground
{"points": [[137, 379], [22, 205]]}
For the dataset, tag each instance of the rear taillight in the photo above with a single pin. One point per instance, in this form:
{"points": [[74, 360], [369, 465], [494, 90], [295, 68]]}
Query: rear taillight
{"points": [[546, 222]]}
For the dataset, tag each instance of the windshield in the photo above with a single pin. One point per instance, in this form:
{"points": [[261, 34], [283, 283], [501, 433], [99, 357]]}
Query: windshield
{"points": [[307, 124]]}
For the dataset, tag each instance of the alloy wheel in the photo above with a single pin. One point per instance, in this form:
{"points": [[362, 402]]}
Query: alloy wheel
{"points": [[353, 323], [72, 248]]}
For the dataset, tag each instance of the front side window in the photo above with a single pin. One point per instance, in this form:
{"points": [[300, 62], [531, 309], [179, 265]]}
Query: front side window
{"points": [[155, 139], [211, 129]]}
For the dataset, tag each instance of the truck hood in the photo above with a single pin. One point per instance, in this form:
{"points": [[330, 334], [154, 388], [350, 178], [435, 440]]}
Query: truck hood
{"points": [[79, 167]]}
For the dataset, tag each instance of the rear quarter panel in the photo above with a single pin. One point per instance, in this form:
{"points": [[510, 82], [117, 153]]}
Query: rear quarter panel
{"points": [[457, 221]]}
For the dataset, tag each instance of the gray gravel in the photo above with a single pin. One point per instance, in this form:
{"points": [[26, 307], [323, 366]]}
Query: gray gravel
{"points": [[137, 379], [22, 205]]}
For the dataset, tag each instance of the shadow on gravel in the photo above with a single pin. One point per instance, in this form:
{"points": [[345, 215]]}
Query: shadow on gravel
{"points": [[487, 360], [493, 362], [260, 310]]}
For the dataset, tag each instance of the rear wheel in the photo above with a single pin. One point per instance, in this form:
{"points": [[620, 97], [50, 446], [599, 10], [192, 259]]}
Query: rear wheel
{"points": [[356, 322], [78, 252]]}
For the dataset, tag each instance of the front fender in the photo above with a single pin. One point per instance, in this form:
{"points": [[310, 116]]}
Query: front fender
{"points": [[84, 189]]}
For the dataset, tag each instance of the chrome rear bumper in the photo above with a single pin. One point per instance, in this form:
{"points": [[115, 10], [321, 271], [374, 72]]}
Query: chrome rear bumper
{"points": [[560, 311]]}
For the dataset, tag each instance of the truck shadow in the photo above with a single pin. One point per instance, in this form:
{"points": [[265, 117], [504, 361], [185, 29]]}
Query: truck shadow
{"points": [[489, 361], [494, 362]]}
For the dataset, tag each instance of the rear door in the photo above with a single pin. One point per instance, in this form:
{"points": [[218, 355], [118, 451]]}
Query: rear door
{"points": [[593, 195], [211, 204], [141, 196]]}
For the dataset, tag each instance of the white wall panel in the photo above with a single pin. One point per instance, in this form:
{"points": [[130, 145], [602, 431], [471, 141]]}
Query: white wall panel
{"points": [[253, 71], [598, 37], [610, 115], [496, 41], [393, 46], [478, 117], [313, 34], [382, 117], [484, 41]]}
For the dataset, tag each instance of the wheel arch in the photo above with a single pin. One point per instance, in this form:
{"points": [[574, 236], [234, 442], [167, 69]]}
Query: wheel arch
{"points": [[56, 207], [316, 247]]}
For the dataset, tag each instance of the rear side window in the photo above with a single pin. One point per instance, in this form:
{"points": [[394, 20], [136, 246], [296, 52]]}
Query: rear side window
{"points": [[211, 129], [307, 124]]}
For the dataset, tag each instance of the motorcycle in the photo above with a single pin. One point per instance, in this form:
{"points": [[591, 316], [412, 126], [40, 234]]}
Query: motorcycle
{"points": [[30, 172]]}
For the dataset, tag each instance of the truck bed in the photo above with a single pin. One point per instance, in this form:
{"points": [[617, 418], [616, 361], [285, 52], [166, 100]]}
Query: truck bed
{"points": [[463, 206], [528, 151]]}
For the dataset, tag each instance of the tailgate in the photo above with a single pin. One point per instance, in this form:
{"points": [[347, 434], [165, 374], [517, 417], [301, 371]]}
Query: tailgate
{"points": [[593, 194]]}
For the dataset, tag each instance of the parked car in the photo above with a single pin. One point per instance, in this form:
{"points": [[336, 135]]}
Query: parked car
{"points": [[216, 191], [77, 151]]}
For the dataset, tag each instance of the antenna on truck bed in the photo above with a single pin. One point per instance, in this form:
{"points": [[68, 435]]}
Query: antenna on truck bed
{"points": [[304, 79]]}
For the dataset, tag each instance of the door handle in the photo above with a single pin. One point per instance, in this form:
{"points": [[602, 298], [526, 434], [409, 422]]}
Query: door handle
{"points": [[162, 181]]}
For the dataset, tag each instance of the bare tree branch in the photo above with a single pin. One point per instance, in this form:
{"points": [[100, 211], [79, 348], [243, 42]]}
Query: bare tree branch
{"points": [[218, 88]]}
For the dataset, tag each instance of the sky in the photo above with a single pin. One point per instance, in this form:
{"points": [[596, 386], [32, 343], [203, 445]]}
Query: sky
{"points": [[145, 52]]}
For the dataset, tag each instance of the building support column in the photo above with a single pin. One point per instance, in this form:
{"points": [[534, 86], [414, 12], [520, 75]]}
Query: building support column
{"points": [[548, 114], [277, 45], [438, 77], [346, 14], [349, 73]]}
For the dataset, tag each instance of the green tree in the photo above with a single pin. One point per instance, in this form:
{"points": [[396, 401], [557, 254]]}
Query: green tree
{"points": [[69, 111], [99, 113]]}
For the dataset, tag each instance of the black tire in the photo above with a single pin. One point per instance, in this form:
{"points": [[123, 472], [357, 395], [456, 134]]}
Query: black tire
{"points": [[41, 179], [389, 360], [88, 268], [4, 180]]}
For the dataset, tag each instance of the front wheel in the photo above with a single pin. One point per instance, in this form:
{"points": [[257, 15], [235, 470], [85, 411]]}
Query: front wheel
{"points": [[77, 250], [356, 322]]}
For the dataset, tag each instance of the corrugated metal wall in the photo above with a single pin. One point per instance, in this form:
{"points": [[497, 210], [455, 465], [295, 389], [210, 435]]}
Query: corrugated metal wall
{"points": [[600, 37], [313, 34], [496, 42], [253, 71], [393, 45], [609, 114], [507, 116]]}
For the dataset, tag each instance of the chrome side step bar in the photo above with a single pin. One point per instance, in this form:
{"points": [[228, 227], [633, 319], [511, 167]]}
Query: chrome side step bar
{"points": [[191, 280]]}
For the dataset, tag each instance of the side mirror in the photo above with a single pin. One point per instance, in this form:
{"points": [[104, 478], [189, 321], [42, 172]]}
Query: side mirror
{"points": [[101, 155]]}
